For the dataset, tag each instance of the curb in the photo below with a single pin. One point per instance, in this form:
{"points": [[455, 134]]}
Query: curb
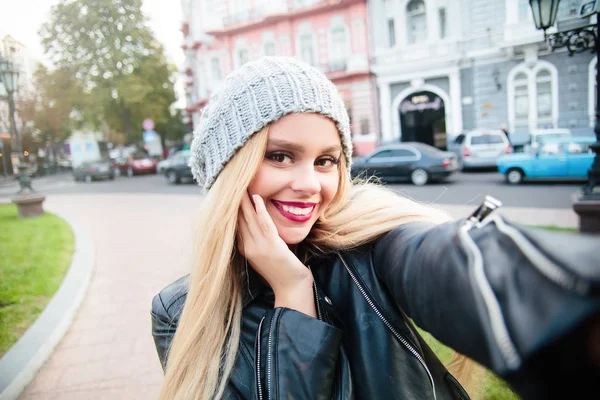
{"points": [[22, 361]]}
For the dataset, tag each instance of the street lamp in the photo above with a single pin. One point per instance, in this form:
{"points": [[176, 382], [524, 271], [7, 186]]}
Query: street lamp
{"points": [[29, 203], [578, 40], [9, 77]]}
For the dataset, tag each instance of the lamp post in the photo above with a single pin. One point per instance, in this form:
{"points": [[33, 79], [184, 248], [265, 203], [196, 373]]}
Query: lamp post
{"points": [[578, 40], [9, 77], [29, 203]]}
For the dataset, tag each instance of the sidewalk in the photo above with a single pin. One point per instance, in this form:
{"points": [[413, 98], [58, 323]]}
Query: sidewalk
{"points": [[142, 243]]}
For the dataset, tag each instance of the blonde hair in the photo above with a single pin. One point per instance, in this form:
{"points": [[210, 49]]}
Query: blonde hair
{"points": [[205, 345]]}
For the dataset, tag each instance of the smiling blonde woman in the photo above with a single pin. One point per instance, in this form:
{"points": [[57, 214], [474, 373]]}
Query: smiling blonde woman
{"points": [[306, 285]]}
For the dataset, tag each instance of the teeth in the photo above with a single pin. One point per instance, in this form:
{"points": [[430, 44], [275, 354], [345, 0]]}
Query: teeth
{"points": [[297, 210]]}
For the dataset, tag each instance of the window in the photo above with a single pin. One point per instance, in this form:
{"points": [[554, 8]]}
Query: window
{"points": [[382, 154], [306, 48], [403, 153], [242, 57], [442, 22], [391, 32], [269, 49], [337, 52], [552, 149], [544, 96], [416, 21], [487, 139], [521, 100], [460, 138], [215, 65], [364, 126]]}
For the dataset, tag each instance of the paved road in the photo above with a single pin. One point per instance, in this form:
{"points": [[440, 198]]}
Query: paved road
{"points": [[464, 188]]}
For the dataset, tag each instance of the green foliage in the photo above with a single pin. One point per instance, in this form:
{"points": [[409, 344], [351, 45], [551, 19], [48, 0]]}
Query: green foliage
{"points": [[492, 387], [35, 254], [110, 49], [57, 93]]}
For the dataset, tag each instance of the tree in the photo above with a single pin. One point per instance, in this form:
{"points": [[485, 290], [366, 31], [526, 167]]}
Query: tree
{"points": [[110, 49], [51, 105]]}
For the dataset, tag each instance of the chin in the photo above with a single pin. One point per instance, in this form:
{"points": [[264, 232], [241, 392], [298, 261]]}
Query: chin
{"points": [[293, 236]]}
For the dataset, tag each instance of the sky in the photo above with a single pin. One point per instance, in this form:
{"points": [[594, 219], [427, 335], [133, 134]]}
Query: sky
{"points": [[23, 18]]}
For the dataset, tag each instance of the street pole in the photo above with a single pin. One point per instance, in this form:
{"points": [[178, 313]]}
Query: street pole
{"points": [[23, 176]]}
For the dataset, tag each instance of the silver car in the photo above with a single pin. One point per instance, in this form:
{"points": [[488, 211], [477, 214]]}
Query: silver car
{"points": [[93, 170], [480, 148]]}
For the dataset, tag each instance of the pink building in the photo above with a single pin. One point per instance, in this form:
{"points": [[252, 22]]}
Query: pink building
{"points": [[221, 35]]}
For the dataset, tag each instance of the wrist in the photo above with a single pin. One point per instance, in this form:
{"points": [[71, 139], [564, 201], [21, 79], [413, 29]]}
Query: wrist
{"points": [[299, 297]]}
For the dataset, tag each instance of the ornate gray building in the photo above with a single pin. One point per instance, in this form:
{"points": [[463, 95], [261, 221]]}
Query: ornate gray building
{"points": [[445, 66]]}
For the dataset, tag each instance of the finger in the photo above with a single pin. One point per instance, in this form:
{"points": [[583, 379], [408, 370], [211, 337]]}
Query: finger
{"points": [[265, 221]]}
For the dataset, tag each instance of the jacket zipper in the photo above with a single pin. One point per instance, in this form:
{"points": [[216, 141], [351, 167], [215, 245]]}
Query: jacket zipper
{"points": [[319, 316], [542, 263], [270, 342], [499, 329], [258, 359], [390, 327]]}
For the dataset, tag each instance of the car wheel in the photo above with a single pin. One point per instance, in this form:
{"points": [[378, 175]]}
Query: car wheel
{"points": [[514, 176], [419, 177], [130, 172], [88, 178], [172, 177]]}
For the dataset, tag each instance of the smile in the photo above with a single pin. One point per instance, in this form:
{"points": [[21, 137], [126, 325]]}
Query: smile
{"points": [[295, 211]]}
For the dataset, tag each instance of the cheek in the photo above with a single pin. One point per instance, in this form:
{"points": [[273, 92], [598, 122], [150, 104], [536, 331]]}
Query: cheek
{"points": [[329, 187]]}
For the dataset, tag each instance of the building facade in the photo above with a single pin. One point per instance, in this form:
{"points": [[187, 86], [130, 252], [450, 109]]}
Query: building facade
{"points": [[445, 66], [332, 35]]}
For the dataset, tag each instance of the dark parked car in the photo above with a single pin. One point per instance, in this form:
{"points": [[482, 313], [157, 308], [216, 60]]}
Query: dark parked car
{"points": [[178, 168], [418, 163], [94, 170]]}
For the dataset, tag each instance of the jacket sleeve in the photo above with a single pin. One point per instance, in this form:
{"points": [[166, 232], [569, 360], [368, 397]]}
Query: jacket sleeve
{"points": [[296, 355], [163, 329], [517, 300]]}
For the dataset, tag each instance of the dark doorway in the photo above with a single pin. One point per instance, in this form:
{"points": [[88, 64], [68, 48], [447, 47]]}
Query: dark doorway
{"points": [[423, 119]]}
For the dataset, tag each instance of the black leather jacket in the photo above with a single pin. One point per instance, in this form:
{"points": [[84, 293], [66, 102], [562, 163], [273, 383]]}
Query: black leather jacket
{"points": [[498, 293]]}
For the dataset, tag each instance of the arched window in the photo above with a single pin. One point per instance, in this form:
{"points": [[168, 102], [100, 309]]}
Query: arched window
{"points": [[533, 96], [543, 82], [416, 22], [521, 86]]}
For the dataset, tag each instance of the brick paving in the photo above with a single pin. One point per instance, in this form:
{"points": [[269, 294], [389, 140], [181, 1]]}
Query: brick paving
{"points": [[142, 242]]}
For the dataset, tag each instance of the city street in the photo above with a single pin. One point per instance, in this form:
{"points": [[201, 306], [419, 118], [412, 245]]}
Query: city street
{"points": [[464, 188]]}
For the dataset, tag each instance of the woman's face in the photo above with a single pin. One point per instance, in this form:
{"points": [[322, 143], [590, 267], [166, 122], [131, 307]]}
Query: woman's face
{"points": [[299, 174]]}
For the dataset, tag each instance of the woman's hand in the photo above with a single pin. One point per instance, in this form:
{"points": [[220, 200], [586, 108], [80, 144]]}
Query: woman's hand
{"points": [[270, 256]]}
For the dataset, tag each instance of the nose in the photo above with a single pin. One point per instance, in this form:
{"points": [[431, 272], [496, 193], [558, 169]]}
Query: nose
{"points": [[306, 180]]}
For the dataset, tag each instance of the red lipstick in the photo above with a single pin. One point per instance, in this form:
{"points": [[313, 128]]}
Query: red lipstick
{"points": [[291, 216]]}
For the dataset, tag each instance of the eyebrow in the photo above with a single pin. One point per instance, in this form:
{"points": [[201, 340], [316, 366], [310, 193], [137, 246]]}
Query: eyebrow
{"points": [[298, 147]]}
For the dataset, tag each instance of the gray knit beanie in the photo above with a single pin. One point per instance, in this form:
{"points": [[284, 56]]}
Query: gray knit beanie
{"points": [[254, 95]]}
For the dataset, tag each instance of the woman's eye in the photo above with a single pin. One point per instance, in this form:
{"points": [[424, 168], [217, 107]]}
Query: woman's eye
{"points": [[279, 157], [327, 162]]}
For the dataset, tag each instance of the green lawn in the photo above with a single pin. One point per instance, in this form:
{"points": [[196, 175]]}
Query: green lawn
{"points": [[35, 254], [493, 388]]}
